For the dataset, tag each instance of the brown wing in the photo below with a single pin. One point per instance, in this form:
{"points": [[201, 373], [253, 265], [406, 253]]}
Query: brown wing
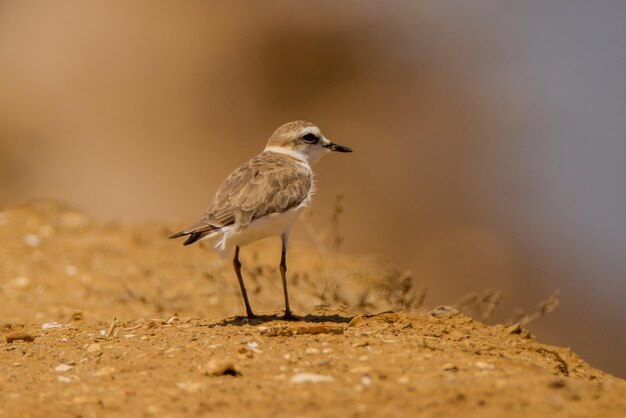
{"points": [[268, 183]]}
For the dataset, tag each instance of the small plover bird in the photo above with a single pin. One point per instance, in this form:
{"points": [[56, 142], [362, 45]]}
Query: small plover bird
{"points": [[263, 197]]}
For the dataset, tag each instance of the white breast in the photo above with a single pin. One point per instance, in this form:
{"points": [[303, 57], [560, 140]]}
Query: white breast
{"points": [[275, 224]]}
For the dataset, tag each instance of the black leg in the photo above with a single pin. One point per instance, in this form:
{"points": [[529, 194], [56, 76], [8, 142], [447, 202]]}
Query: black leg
{"points": [[237, 265], [283, 273]]}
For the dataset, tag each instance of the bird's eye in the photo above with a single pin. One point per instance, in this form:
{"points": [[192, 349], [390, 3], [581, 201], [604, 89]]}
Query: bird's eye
{"points": [[310, 138]]}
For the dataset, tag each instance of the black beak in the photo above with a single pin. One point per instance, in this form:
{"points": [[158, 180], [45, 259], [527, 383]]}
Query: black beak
{"points": [[338, 148]]}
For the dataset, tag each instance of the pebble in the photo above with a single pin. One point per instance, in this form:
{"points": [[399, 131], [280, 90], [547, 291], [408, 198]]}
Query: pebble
{"points": [[403, 380], [18, 335], [32, 240], [254, 347], [557, 384], [220, 368], [311, 378], [93, 348], [361, 370], [103, 371], [190, 386], [63, 368], [20, 282], [484, 366], [444, 311], [51, 325], [450, 367]]}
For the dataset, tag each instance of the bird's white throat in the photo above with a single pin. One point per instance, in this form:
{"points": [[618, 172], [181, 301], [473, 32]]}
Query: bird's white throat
{"points": [[300, 156]]}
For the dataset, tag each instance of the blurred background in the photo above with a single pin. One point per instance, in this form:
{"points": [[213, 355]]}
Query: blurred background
{"points": [[488, 136]]}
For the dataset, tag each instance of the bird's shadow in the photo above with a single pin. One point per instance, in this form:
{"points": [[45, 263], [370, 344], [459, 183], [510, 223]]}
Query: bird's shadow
{"points": [[261, 319]]}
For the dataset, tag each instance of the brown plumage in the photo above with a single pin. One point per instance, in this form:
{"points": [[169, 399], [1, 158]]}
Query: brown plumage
{"points": [[264, 196], [268, 183]]}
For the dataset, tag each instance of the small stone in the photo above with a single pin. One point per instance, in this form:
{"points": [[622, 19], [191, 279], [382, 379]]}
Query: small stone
{"points": [[444, 311], [312, 350], [403, 380], [361, 370], [366, 381], [220, 368], [77, 316], [557, 384], [484, 366], [104, 371], [254, 347], [64, 379], [19, 336], [189, 386], [20, 282], [32, 240], [244, 352], [51, 325], [63, 367], [93, 348], [450, 367], [311, 378]]}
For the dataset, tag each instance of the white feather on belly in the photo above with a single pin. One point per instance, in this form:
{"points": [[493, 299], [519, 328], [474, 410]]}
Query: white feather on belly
{"points": [[229, 237]]}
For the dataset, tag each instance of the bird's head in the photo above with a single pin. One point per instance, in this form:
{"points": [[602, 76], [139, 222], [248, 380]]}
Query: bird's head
{"points": [[302, 140]]}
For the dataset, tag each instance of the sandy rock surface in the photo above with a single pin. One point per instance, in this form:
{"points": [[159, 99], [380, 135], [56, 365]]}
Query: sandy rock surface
{"points": [[101, 319]]}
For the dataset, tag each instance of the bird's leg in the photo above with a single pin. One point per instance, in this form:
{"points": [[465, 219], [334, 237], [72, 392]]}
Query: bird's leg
{"points": [[237, 265], [283, 273]]}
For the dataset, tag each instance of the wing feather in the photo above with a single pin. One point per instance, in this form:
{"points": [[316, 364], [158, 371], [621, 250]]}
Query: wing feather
{"points": [[268, 183]]}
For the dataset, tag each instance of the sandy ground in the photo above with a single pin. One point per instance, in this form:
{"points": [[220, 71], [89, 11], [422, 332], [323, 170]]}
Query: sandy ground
{"points": [[112, 320]]}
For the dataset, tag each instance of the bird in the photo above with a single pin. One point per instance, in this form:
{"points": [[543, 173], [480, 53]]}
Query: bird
{"points": [[263, 198]]}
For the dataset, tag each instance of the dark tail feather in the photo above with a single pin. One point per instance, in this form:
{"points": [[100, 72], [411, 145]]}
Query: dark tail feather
{"points": [[193, 237], [194, 233], [178, 235]]}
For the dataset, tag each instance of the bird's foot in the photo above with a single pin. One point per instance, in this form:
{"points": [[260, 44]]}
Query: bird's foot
{"points": [[288, 316], [250, 316]]}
